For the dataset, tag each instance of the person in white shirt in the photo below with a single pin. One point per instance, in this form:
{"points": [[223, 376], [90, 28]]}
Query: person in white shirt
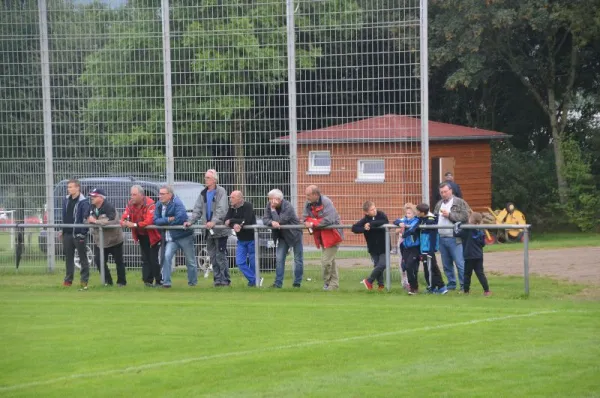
{"points": [[451, 210]]}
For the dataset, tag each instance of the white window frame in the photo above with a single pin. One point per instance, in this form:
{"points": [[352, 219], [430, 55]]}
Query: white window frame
{"points": [[315, 169], [361, 176]]}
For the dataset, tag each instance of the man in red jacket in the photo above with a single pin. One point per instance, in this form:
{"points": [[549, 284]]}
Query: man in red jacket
{"points": [[137, 215], [319, 213]]}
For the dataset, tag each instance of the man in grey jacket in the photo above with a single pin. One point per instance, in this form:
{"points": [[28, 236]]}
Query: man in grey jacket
{"points": [[451, 210], [280, 212], [211, 208], [103, 212]]}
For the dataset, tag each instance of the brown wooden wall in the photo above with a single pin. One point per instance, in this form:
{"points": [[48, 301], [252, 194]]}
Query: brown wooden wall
{"points": [[402, 184]]}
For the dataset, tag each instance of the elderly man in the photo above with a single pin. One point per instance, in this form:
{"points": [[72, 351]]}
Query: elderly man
{"points": [[280, 212], [451, 210], [241, 213], [75, 209], [103, 212], [138, 214], [319, 212], [210, 209], [170, 211]]}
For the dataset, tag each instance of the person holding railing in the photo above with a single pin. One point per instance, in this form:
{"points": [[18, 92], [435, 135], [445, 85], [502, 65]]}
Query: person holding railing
{"points": [[375, 237], [138, 214], [210, 209], [170, 211], [75, 208], [102, 212], [319, 212], [451, 209], [280, 212], [241, 212]]}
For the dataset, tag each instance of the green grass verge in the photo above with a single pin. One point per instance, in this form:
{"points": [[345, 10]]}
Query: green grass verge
{"points": [[239, 341], [551, 241]]}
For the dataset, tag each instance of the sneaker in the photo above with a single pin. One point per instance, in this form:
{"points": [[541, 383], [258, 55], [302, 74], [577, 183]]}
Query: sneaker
{"points": [[442, 290], [121, 285], [326, 287], [166, 286], [274, 286], [147, 284], [413, 292], [296, 285], [487, 294], [83, 286], [380, 288], [67, 283], [367, 284]]}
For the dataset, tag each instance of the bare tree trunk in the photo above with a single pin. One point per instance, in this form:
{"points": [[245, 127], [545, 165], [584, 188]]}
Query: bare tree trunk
{"points": [[559, 159], [239, 159]]}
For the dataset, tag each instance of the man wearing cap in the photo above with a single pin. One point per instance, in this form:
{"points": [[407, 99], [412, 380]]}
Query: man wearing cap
{"points": [[103, 212]]}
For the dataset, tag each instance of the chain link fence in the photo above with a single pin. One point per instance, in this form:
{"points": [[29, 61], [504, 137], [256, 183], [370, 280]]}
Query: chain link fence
{"points": [[271, 93]]}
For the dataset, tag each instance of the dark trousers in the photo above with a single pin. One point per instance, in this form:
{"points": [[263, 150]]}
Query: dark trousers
{"points": [[379, 267], [412, 257], [150, 264], [475, 264], [70, 244], [434, 279], [117, 253]]}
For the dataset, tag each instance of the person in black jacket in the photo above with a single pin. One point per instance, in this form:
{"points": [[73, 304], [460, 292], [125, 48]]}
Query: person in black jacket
{"points": [[75, 209], [473, 243], [239, 214], [375, 237]]}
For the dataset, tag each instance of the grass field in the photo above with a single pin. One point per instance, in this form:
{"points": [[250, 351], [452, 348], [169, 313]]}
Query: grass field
{"points": [[243, 342]]}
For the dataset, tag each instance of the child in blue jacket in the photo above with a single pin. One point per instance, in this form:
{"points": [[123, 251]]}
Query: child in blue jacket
{"points": [[412, 252], [473, 242], [429, 242]]}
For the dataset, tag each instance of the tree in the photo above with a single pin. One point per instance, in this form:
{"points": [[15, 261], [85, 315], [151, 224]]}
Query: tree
{"points": [[549, 46]]}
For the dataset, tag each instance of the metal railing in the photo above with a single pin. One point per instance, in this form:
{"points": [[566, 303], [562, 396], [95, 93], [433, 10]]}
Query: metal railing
{"points": [[257, 228]]}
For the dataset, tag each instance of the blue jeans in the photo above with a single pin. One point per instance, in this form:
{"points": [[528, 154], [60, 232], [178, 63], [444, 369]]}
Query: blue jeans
{"points": [[452, 253], [187, 245], [244, 259], [281, 254]]}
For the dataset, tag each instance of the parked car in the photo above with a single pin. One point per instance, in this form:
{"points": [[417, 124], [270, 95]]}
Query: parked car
{"points": [[118, 193]]}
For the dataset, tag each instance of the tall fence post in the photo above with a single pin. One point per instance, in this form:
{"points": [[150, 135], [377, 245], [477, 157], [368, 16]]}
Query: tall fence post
{"points": [[424, 103], [47, 118], [293, 119], [100, 246], [168, 91], [256, 257], [526, 259], [388, 260]]}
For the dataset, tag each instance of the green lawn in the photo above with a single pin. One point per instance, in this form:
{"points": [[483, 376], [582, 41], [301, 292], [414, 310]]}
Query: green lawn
{"points": [[243, 342]]}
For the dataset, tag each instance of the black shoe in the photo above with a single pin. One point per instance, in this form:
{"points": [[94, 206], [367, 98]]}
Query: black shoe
{"points": [[274, 286], [148, 284], [296, 285]]}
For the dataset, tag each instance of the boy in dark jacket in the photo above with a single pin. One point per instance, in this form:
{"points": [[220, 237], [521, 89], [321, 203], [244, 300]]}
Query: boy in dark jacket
{"points": [[429, 244], [375, 237], [239, 214], [473, 242]]}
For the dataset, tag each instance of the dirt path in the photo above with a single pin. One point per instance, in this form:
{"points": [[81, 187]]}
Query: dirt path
{"points": [[576, 264]]}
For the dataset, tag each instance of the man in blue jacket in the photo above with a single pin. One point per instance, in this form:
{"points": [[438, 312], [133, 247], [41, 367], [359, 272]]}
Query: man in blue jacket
{"points": [[171, 211], [75, 208]]}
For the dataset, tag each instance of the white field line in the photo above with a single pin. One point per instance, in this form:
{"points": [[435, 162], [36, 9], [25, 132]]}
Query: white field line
{"points": [[155, 365]]}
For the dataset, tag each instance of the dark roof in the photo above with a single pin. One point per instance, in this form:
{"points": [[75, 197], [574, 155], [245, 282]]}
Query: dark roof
{"points": [[392, 128]]}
